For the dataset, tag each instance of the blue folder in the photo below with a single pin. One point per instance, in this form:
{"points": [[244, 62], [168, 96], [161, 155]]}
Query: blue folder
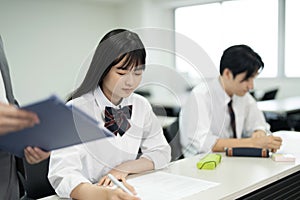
{"points": [[60, 126]]}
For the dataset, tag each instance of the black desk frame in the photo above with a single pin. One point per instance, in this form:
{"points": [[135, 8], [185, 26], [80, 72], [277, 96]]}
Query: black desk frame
{"points": [[285, 188]]}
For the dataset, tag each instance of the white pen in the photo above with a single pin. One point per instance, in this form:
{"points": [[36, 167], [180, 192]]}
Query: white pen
{"points": [[269, 133], [119, 184]]}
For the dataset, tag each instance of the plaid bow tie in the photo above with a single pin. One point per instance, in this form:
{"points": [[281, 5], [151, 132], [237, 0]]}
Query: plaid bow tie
{"points": [[116, 119]]}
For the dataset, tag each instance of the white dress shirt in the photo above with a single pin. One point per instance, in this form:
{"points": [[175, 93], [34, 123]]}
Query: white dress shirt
{"points": [[90, 161], [205, 117]]}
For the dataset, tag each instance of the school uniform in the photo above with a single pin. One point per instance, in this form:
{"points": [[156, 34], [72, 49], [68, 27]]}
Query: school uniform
{"points": [[205, 117], [9, 185], [90, 161]]}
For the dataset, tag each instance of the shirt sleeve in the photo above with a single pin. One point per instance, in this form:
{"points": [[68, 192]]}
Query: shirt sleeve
{"points": [[65, 174], [255, 119], [154, 145], [195, 121]]}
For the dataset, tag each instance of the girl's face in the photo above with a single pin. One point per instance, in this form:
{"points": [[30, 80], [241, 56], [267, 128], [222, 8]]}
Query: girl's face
{"points": [[121, 81]]}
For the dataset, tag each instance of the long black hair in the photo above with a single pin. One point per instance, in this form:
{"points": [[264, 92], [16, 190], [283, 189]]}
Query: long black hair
{"points": [[239, 59], [115, 46]]}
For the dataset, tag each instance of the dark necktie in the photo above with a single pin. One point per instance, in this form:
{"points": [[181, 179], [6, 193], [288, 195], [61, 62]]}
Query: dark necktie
{"points": [[232, 118], [116, 120]]}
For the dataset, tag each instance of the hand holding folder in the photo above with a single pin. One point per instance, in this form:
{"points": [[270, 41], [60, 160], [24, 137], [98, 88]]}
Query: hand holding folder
{"points": [[14, 119], [60, 126]]}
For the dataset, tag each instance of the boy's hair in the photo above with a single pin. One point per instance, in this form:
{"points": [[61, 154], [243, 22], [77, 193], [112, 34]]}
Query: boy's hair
{"points": [[239, 59], [114, 47]]}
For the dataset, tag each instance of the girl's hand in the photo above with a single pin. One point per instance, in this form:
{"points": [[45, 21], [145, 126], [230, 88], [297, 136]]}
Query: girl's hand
{"points": [[120, 175], [120, 194]]}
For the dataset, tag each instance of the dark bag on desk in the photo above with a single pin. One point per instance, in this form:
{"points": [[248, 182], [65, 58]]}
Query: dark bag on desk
{"points": [[247, 152]]}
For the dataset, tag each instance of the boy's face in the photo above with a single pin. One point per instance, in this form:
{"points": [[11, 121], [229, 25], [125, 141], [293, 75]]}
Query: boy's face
{"points": [[120, 81], [239, 85]]}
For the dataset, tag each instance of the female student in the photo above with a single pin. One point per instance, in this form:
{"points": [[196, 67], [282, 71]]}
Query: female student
{"points": [[106, 94]]}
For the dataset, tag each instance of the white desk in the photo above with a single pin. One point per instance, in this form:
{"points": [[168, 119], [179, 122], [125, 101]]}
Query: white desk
{"points": [[280, 106], [237, 175], [282, 113]]}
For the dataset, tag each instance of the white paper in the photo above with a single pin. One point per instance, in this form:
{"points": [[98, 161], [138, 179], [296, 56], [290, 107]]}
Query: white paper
{"points": [[162, 186], [290, 142]]}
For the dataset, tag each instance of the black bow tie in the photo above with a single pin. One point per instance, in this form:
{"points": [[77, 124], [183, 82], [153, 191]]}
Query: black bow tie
{"points": [[116, 119]]}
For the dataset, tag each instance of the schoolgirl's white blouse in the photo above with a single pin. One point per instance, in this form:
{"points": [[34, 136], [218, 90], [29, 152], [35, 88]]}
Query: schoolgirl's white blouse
{"points": [[90, 161]]}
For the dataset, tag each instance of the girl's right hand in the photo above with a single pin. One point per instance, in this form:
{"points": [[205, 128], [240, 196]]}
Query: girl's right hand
{"points": [[119, 194]]}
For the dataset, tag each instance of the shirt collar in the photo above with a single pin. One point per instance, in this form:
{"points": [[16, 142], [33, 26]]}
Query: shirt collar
{"points": [[221, 91], [102, 100]]}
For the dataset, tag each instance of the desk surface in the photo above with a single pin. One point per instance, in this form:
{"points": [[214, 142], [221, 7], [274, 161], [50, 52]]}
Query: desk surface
{"points": [[237, 175], [280, 106]]}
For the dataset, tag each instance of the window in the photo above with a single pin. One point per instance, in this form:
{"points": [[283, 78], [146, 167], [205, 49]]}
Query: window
{"points": [[217, 26], [292, 39]]}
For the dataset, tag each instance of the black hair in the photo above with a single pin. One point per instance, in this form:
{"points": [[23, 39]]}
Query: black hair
{"points": [[115, 46], [239, 59]]}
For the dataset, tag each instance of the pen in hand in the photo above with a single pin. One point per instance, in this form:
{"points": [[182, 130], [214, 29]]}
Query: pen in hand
{"points": [[269, 133], [119, 184]]}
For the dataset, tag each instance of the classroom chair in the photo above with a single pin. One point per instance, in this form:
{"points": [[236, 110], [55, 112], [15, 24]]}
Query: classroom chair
{"points": [[36, 183], [172, 136], [269, 95]]}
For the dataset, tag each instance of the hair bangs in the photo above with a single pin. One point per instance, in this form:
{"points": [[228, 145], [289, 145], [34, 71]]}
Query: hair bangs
{"points": [[131, 60]]}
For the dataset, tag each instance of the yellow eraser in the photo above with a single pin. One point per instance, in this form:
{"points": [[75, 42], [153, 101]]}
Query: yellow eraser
{"points": [[210, 161], [283, 157]]}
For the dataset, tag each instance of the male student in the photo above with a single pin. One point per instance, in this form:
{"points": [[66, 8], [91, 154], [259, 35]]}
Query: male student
{"points": [[221, 113], [13, 119]]}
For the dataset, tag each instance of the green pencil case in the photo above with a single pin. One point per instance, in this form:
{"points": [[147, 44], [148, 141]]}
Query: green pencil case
{"points": [[210, 161]]}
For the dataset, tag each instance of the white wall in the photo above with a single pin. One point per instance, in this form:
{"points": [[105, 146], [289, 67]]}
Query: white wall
{"points": [[153, 21], [46, 42], [143, 16], [159, 14]]}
